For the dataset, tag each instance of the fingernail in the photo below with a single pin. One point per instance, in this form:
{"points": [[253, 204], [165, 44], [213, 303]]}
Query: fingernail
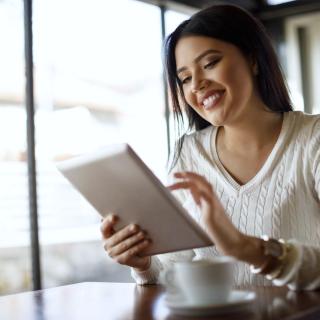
{"points": [[114, 218], [133, 227]]}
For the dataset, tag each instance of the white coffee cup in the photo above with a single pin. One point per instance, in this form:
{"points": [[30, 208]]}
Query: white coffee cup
{"points": [[200, 282]]}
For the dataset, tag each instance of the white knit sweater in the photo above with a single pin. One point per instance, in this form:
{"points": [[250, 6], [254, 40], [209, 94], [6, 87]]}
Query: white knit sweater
{"points": [[282, 201]]}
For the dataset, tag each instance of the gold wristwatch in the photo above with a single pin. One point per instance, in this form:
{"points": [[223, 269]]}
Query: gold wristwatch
{"points": [[276, 252]]}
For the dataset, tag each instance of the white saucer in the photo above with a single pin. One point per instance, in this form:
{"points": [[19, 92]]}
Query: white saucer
{"points": [[237, 300]]}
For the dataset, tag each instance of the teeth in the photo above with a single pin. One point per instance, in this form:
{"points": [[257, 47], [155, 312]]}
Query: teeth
{"points": [[208, 102]]}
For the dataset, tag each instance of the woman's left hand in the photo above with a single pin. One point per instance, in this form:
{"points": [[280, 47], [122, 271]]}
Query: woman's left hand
{"points": [[227, 238]]}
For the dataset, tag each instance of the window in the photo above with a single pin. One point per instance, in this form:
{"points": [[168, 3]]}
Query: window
{"points": [[14, 217], [303, 56], [173, 19], [98, 80]]}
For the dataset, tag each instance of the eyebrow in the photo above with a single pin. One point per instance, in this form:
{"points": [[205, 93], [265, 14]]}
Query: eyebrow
{"points": [[199, 57]]}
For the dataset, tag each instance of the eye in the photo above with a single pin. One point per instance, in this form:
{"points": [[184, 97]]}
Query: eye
{"points": [[212, 63], [185, 80]]}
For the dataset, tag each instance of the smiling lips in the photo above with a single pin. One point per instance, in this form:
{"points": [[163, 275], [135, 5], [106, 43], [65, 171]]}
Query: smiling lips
{"points": [[212, 100]]}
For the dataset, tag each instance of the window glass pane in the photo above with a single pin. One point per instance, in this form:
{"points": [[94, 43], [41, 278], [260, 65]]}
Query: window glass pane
{"points": [[172, 20], [15, 263], [98, 81], [303, 61]]}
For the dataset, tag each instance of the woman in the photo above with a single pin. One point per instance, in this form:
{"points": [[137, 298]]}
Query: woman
{"points": [[252, 165]]}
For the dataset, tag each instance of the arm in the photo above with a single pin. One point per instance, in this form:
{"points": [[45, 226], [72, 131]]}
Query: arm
{"points": [[301, 266], [303, 270]]}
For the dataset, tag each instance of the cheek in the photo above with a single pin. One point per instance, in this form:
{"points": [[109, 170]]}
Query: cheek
{"points": [[190, 98], [238, 79]]}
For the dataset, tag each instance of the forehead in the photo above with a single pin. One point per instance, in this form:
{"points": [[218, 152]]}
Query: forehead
{"points": [[190, 47]]}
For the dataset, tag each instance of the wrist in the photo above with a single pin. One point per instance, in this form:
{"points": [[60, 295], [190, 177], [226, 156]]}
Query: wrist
{"points": [[144, 268], [276, 254], [249, 250]]}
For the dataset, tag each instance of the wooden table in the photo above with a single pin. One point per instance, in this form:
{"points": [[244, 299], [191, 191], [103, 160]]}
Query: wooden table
{"points": [[104, 301]]}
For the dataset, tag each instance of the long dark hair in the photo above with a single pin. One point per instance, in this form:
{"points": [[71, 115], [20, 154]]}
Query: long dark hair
{"points": [[231, 24]]}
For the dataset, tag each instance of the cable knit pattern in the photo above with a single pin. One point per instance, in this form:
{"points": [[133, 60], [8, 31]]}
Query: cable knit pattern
{"points": [[293, 221], [244, 213], [282, 200], [262, 198], [276, 223]]}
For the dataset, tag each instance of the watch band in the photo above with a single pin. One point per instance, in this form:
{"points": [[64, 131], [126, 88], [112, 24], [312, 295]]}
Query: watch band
{"points": [[276, 252]]}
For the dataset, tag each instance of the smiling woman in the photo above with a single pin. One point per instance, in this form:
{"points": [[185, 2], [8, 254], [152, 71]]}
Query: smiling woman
{"points": [[249, 173], [232, 29], [209, 81]]}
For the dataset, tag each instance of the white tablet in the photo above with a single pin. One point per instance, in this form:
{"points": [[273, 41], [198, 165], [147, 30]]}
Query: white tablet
{"points": [[114, 179]]}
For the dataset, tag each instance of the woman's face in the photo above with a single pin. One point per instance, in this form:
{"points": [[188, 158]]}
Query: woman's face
{"points": [[217, 80]]}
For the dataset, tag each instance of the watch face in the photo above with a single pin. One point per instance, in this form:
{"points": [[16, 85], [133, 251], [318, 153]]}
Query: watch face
{"points": [[273, 248]]}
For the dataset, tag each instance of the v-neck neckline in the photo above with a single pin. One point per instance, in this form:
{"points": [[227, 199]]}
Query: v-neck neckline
{"points": [[259, 176]]}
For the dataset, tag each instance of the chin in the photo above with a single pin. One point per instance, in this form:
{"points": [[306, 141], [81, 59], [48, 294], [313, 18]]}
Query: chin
{"points": [[216, 121], [220, 117]]}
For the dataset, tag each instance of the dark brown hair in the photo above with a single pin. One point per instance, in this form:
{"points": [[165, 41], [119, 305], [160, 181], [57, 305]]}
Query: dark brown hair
{"points": [[234, 25]]}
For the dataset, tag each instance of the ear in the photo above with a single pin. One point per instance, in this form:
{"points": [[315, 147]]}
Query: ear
{"points": [[255, 69], [254, 66]]}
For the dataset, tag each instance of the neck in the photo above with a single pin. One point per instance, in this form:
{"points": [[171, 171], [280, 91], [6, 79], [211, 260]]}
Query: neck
{"points": [[256, 131]]}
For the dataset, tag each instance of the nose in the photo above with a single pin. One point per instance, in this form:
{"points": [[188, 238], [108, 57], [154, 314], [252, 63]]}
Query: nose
{"points": [[198, 84]]}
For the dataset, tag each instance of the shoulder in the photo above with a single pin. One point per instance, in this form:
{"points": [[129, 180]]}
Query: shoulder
{"points": [[306, 122], [306, 126], [198, 144], [199, 137], [307, 138], [194, 145]]}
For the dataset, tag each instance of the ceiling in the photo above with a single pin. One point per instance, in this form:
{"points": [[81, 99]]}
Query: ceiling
{"points": [[261, 8]]}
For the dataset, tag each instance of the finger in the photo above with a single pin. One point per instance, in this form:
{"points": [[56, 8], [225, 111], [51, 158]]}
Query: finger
{"points": [[127, 244], [183, 174], [180, 185], [121, 235], [196, 192], [134, 251], [196, 196], [195, 178], [203, 195], [191, 175], [193, 187], [107, 225]]}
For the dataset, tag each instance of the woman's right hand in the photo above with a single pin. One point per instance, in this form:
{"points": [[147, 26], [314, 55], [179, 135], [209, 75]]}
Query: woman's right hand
{"points": [[125, 245]]}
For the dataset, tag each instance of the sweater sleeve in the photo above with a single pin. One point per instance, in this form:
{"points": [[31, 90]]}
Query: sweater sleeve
{"points": [[164, 261], [302, 271], [159, 263], [315, 158]]}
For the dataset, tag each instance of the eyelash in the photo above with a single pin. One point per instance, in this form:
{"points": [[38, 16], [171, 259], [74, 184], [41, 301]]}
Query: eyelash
{"points": [[184, 81], [212, 63], [207, 66]]}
